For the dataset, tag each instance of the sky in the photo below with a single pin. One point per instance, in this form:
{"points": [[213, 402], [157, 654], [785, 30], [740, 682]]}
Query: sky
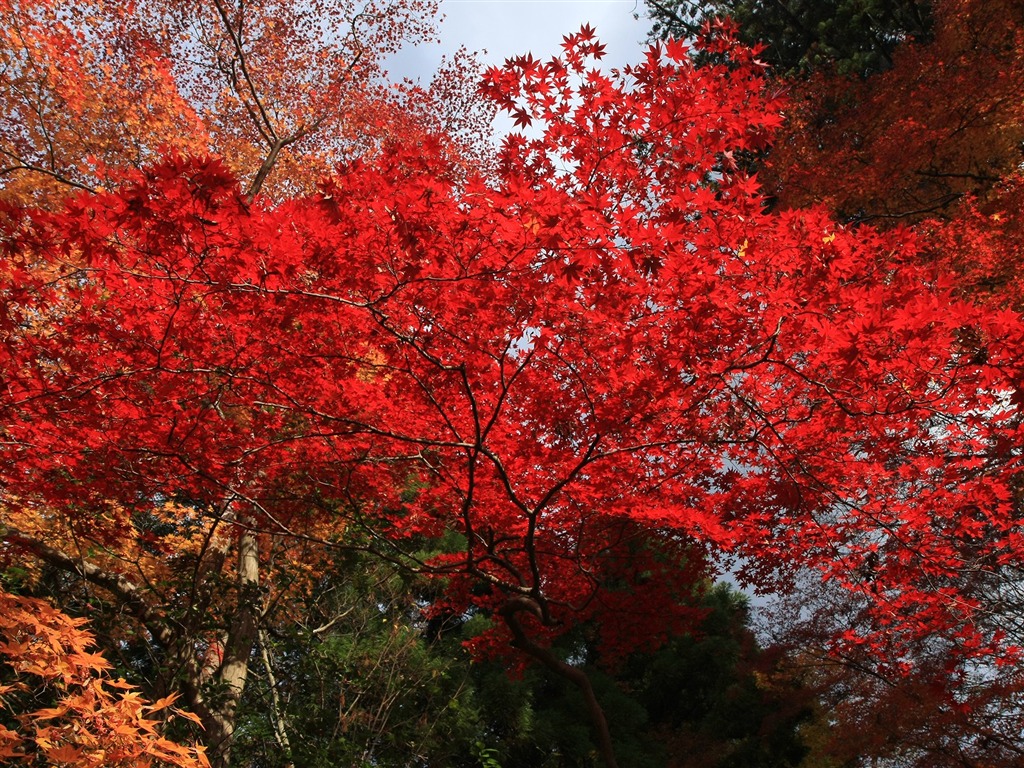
{"points": [[505, 28]]}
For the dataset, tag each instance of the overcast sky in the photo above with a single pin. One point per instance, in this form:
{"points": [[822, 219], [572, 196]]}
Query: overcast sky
{"points": [[505, 28], [499, 29]]}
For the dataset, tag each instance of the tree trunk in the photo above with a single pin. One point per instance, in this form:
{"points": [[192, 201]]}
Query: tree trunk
{"points": [[233, 671], [577, 677]]}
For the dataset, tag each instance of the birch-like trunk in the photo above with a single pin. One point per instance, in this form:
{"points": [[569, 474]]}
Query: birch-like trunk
{"points": [[229, 679]]}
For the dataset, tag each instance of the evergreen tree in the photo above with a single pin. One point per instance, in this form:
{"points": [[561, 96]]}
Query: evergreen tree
{"points": [[851, 36]]}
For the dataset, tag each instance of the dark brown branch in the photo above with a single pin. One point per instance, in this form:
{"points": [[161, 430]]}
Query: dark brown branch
{"points": [[22, 165], [126, 591], [236, 42], [510, 613]]}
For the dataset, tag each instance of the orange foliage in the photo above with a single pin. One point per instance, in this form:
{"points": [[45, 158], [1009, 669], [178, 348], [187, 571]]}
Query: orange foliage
{"points": [[945, 121], [90, 88], [161, 554], [93, 721]]}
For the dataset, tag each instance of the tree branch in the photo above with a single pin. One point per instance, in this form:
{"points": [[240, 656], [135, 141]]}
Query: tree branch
{"points": [[127, 591]]}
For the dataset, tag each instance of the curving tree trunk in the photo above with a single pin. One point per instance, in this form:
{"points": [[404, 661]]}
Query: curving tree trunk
{"points": [[510, 613]]}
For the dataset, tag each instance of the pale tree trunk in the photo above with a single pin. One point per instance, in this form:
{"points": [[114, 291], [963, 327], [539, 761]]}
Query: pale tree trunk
{"points": [[238, 642]]}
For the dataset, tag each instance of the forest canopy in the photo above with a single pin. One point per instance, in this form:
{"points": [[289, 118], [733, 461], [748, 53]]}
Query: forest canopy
{"points": [[331, 416]]}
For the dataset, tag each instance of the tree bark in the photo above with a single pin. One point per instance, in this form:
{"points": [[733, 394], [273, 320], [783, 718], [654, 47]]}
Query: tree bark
{"points": [[233, 671], [510, 613]]}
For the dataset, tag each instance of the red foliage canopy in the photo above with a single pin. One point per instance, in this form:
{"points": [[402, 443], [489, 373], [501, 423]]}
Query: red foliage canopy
{"points": [[599, 365]]}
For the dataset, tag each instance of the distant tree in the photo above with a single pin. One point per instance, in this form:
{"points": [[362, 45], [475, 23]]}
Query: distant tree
{"points": [[715, 699], [898, 109], [983, 243], [354, 665], [944, 123], [709, 697], [801, 36], [282, 91], [931, 713]]}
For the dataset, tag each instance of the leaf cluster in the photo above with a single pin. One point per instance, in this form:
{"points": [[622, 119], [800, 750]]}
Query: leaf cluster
{"points": [[58, 706]]}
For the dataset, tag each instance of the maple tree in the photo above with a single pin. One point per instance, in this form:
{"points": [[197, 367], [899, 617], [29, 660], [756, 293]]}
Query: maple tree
{"points": [[605, 366], [94, 721], [943, 122], [280, 90]]}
